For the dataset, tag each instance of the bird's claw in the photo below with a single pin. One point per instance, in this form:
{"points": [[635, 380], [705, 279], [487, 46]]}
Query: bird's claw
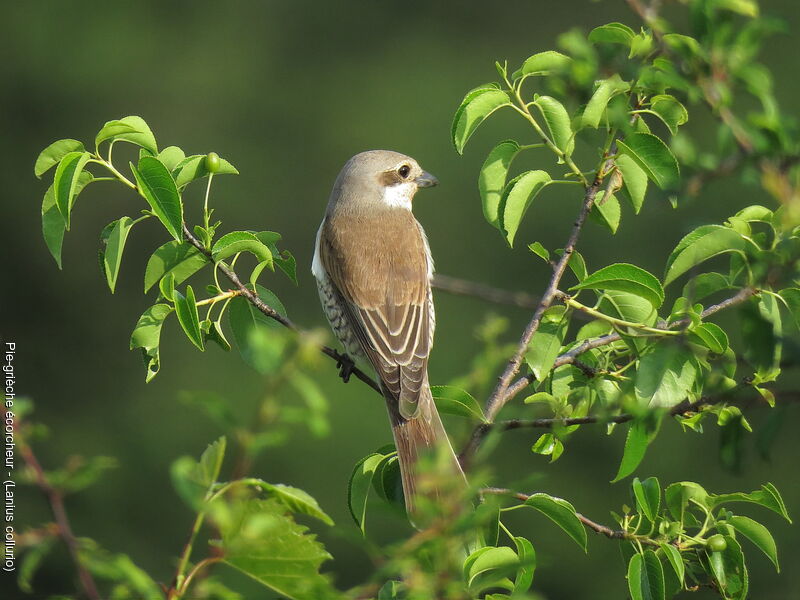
{"points": [[346, 367]]}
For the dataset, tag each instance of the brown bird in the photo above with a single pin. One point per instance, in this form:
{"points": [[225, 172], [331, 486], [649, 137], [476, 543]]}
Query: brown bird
{"points": [[373, 269]]}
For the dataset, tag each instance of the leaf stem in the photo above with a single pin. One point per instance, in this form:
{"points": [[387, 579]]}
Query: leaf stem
{"points": [[571, 302]]}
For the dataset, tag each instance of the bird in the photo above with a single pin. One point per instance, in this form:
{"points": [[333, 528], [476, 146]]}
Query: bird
{"points": [[373, 267]]}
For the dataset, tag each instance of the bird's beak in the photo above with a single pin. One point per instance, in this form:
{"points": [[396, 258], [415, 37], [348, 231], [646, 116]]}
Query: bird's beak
{"points": [[426, 180]]}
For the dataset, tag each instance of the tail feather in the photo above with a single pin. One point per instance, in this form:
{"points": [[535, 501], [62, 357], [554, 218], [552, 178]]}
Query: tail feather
{"points": [[423, 438]]}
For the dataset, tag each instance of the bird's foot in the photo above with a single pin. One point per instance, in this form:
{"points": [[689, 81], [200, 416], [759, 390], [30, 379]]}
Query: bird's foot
{"points": [[346, 366]]}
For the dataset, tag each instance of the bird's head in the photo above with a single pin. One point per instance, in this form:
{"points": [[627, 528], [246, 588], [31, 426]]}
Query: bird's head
{"points": [[381, 178]]}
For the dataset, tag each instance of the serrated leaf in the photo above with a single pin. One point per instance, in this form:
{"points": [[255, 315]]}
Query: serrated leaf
{"points": [[558, 123], [768, 497], [112, 246], [562, 513], [606, 89], [653, 156], [665, 375], [52, 155], [131, 129], [625, 277], [703, 243], [636, 442], [518, 195], [269, 547], [673, 556], [758, 534], [671, 112], [492, 179], [240, 241], [648, 496], [543, 63], [146, 335], [296, 500], [711, 336], [194, 167], [171, 156], [179, 259], [194, 480], [703, 285], [186, 311], [358, 488], [65, 182], [635, 180], [612, 33], [157, 187], [546, 343], [476, 106], [455, 401]]}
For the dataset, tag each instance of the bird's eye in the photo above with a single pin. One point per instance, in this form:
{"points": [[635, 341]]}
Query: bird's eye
{"points": [[404, 171]]}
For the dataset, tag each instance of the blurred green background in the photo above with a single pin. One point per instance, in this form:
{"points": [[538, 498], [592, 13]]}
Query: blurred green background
{"points": [[288, 92]]}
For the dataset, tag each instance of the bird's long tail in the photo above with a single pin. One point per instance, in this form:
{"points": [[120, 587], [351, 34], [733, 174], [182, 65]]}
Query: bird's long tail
{"points": [[428, 465]]}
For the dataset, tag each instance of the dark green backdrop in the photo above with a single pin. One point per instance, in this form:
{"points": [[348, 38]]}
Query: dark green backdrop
{"points": [[288, 91]]}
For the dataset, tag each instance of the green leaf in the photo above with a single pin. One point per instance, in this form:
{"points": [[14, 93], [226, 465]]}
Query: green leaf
{"points": [[607, 211], [112, 244], [703, 243], [648, 496], [635, 180], [170, 157], [212, 331], [545, 344], [129, 580], [729, 570], [652, 156], [606, 89], [517, 197], [704, 285], [65, 182], [636, 442], [158, 188], [358, 488], [455, 401], [665, 375], [286, 263], [194, 480], [612, 33], [543, 63], [476, 106], [758, 534], [53, 225], [146, 335], [558, 123], [678, 496], [791, 297], [31, 561], [711, 336], [646, 577], [527, 565], [492, 178], [186, 311], [387, 482], [540, 251], [669, 110], [179, 259], [548, 445], [562, 513], [625, 277], [296, 500], [128, 129], [768, 497], [257, 336], [674, 558], [489, 567], [194, 167], [265, 544], [52, 155], [240, 241]]}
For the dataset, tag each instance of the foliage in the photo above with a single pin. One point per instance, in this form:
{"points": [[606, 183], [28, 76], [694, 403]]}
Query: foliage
{"points": [[610, 117]]}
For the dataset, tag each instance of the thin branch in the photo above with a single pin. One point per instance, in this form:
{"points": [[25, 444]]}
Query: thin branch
{"points": [[570, 356], [614, 534], [463, 287], [499, 395], [56, 500], [266, 309]]}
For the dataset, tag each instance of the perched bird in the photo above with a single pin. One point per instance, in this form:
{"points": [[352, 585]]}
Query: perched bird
{"points": [[373, 269]]}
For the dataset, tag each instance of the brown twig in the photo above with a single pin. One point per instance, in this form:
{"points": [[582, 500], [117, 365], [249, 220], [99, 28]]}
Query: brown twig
{"points": [[266, 309], [56, 501], [614, 534], [463, 287]]}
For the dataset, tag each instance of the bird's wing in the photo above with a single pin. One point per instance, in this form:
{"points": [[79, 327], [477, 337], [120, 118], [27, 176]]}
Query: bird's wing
{"points": [[385, 293]]}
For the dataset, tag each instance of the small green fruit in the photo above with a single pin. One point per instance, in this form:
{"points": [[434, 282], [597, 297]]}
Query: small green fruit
{"points": [[212, 162], [716, 543]]}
